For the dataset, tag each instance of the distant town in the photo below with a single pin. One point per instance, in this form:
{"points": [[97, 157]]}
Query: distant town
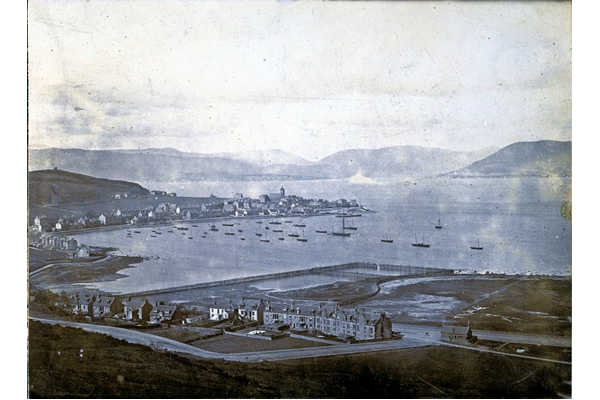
{"points": [[49, 233]]}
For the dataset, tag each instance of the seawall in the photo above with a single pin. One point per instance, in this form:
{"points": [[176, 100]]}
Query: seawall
{"points": [[400, 269]]}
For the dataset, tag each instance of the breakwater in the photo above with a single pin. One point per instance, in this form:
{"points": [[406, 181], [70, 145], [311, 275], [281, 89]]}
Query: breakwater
{"points": [[399, 269]]}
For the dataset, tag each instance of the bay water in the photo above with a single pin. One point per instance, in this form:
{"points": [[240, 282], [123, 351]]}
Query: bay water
{"points": [[517, 221]]}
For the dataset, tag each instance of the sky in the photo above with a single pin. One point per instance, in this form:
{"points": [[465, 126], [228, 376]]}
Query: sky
{"points": [[310, 78]]}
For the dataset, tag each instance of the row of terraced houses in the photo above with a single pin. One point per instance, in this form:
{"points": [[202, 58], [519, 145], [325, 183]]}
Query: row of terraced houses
{"points": [[338, 322], [130, 309]]}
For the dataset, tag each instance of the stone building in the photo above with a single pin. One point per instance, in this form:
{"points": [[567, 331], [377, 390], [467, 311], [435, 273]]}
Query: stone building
{"points": [[458, 334], [341, 323]]}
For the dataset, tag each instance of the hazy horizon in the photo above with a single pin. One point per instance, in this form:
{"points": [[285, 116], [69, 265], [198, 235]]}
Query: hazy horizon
{"points": [[270, 150]]}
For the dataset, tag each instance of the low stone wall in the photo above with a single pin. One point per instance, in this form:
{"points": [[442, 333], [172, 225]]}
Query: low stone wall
{"points": [[406, 270]]}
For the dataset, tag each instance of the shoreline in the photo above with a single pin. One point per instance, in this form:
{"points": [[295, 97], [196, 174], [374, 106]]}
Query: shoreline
{"points": [[194, 220]]}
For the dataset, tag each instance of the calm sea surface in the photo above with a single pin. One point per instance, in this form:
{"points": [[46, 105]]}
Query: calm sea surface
{"points": [[518, 223]]}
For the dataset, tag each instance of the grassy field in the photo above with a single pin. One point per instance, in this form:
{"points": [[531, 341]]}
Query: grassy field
{"points": [[236, 344], [67, 363], [534, 306]]}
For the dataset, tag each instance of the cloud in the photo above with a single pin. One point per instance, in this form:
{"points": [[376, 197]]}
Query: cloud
{"points": [[310, 78]]}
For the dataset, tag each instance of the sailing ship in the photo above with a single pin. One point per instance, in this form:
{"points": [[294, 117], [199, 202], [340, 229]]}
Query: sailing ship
{"points": [[265, 239], [351, 227], [421, 243], [294, 234], [343, 233], [302, 239], [478, 247], [387, 239], [318, 231], [214, 228], [439, 224], [227, 224], [273, 222]]}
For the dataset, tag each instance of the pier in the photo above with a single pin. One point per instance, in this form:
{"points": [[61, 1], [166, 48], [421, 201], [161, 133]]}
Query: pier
{"points": [[400, 270]]}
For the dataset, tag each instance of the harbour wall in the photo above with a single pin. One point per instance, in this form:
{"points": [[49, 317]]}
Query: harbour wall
{"points": [[401, 270]]}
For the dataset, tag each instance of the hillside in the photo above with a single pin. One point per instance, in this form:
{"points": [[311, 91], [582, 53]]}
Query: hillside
{"points": [[400, 161], [167, 164], [540, 158], [114, 369], [141, 165], [62, 187]]}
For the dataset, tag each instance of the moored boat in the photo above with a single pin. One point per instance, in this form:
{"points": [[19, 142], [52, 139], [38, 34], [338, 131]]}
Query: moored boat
{"points": [[478, 247], [421, 243], [387, 239]]}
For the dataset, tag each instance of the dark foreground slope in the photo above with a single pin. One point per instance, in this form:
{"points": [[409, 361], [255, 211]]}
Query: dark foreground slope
{"points": [[67, 362], [62, 187]]}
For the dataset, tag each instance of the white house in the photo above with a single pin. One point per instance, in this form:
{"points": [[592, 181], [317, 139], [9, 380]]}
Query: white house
{"points": [[221, 311]]}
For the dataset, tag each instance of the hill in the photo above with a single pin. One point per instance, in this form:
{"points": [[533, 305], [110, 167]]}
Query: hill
{"points": [[62, 187], [142, 165], [523, 158], [114, 369], [400, 161], [540, 158]]}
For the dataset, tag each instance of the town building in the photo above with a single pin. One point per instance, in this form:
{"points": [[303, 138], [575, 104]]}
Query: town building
{"points": [[82, 252], [106, 306], [220, 311], [344, 324], [137, 309], [252, 310], [82, 304], [165, 314], [458, 334]]}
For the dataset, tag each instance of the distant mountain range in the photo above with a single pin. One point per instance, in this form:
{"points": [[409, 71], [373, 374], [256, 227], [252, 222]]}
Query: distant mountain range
{"points": [[171, 165], [62, 187]]}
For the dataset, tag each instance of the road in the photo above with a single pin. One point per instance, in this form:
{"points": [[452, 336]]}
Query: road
{"points": [[161, 343], [415, 336], [420, 331]]}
